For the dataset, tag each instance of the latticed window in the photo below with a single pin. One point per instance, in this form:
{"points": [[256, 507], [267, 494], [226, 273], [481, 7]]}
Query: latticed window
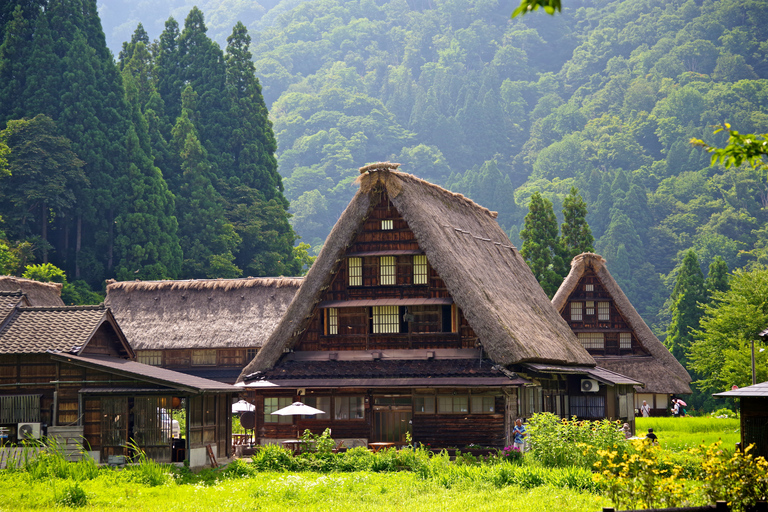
{"points": [[625, 340], [333, 321], [589, 287], [424, 404], [576, 311], [419, 269], [589, 308], [603, 311], [203, 357], [355, 271], [387, 224], [250, 353], [153, 357], [592, 339], [386, 319], [387, 270]]}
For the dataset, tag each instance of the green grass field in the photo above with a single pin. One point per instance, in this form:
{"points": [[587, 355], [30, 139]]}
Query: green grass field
{"points": [[441, 487], [678, 434]]}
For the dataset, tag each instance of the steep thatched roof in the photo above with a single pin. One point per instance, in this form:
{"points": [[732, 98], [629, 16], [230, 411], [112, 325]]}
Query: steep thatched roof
{"points": [[38, 294], [203, 313], [660, 371], [485, 275]]}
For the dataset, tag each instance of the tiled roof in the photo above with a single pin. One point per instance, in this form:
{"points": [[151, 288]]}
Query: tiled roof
{"points": [[170, 378], [35, 330], [390, 369], [8, 301], [596, 372]]}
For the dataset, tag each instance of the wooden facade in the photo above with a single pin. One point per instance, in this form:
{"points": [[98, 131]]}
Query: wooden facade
{"points": [[98, 389], [612, 331]]}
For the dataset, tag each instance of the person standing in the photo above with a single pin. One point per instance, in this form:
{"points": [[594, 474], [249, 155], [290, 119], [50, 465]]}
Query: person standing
{"points": [[520, 434], [675, 408], [645, 409]]}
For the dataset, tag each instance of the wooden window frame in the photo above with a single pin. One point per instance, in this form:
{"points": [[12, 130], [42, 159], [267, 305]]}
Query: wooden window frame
{"points": [[202, 357], [338, 407], [331, 321], [482, 404], [387, 270], [577, 311], [355, 271], [385, 319], [424, 404], [592, 340], [275, 403], [459, 404], [150, 357], [589, 308], [603, 311], [387, 224], [625, 341], [420, 269]]}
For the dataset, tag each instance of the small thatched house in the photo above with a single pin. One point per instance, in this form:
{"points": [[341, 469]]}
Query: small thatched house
{"points": [[420, 316], [753, 411], [205, 327], [37, 293], [69, 371], [613, 332]]}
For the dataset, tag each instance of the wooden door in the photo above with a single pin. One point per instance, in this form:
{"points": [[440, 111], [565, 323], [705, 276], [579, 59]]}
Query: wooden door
{"points": [[114, 426], [391, 419]]}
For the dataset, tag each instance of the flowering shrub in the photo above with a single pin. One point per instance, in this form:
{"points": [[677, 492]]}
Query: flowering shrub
{"points": [[738, 477], [511, 454], [557, 442], [640, 478]]}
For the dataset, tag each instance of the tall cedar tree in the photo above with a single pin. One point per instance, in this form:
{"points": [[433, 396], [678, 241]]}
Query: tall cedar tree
{"points": [[146, 230], [15, 50], [576, 236], [44, 174], [717, 277], [541, 245], [207, 239], [687, 297]]}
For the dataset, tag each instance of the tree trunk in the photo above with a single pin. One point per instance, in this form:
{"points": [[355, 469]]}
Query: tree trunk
{"points": [[44, 231], [78, 242]]}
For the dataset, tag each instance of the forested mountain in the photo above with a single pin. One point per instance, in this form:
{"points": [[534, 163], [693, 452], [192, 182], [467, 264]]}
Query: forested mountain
{"points": [[160, 165], [604, 97]]}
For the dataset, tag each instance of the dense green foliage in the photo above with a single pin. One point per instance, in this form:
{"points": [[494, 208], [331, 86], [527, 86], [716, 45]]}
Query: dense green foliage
{"points": [[159, 166]]}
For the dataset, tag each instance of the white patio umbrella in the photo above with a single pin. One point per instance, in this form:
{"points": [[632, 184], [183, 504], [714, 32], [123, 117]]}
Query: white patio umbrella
{"points": [[242, 406], [297, 408]]}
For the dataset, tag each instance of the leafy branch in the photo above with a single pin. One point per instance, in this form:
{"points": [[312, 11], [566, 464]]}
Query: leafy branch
{"points": [[740, 148], [526, 6]]}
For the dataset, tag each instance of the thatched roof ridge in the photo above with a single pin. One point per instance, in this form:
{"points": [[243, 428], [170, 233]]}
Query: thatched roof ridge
{"points": [[38, 294], [200, 313], [661, 373], [486, 276]]}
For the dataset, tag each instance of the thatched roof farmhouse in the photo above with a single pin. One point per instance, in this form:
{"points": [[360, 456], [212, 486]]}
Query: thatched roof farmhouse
{"points": [[206, 327], [419, 311], [617, 336], [37, 293]]}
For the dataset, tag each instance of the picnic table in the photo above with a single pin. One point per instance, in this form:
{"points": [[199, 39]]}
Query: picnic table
{"points": [[379, 445], [297, 445]]}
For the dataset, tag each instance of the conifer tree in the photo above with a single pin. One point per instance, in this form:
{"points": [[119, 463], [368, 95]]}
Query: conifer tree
{"points": [[14, 59], [687, 297], [146, 240], [717, 277], [576, 236], [168, 73], [207, 239], [541, 245]]}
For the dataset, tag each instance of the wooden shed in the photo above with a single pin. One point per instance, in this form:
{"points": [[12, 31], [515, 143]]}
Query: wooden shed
{"points": [[205, 327], [420, 317], [753, 410], [71, 366]]}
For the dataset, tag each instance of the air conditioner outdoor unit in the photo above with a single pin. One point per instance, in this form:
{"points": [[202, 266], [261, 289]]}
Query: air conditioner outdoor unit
{"points": [[28, 431], [589, 386]]}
